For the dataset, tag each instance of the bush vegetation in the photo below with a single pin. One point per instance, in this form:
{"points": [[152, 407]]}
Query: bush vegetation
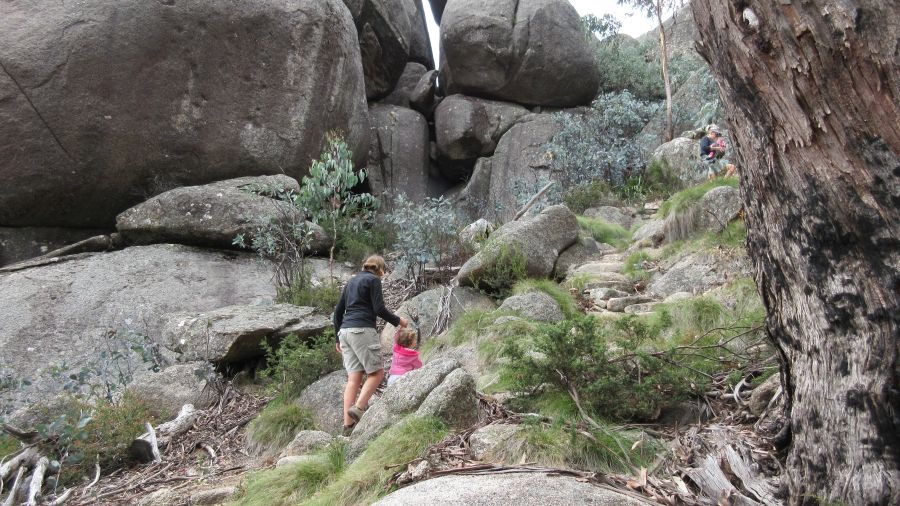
{"points": [[509, 266], [276, 426], [301, 292], [631, 368], [614, 235], [294, 363], [292, 484], [634, 266]]}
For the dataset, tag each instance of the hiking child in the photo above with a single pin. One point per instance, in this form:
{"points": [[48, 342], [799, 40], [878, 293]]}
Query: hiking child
{"points": [[712, 153], [362, 301], [405, 358]]}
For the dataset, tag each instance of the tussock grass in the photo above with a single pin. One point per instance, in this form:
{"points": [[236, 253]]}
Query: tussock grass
{"points": [[366, 479], [685, 199], [561, 295], [8, 446], [634, 266], [276, 426], [558, 444], [603, 232], [292, 484]]}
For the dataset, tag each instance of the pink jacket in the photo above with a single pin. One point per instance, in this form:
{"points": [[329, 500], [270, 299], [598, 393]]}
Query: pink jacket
{"points": [[404, 360]]}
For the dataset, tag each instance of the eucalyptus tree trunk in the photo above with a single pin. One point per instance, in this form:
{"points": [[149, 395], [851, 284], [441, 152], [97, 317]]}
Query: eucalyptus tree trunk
{"points": [[812, 96], [664, 66]]}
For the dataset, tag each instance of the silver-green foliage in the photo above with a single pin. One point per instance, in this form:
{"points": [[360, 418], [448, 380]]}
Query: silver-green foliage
{"points": [[426, 233], [600, 143], [327, 191]]}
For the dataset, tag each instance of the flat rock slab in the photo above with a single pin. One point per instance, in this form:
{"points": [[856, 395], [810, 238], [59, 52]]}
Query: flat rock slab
{"points": [[537, 306], [523, 489], [620, 303], [643, 308], [61, 313], [236, 333]]}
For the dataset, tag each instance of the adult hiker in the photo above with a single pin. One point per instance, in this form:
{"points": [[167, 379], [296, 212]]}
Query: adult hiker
{"points": [[357, 341], [712, 153]]}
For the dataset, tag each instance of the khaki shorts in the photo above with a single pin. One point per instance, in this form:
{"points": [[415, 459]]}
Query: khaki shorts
{"points": [[361, 350]]}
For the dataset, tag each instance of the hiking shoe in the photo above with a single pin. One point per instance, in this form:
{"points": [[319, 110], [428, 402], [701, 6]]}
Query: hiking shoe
{"points": [[347, 430], [355, 413]]}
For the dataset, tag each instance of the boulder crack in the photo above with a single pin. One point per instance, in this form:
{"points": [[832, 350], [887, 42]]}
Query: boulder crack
{"points": [[36, 111]]}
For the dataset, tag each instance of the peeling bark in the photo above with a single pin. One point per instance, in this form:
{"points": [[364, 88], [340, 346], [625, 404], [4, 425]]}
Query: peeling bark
{"points": [[812, 94]]}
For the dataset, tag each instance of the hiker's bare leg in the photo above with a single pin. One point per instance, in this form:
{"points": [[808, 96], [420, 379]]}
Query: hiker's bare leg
{"points": [[369, 388], [354, 380]]}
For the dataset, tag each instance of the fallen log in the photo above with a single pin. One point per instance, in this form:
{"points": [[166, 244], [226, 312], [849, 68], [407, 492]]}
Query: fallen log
{"points": [[146, 447], [13, 491], [37, 481], [25, 458]]}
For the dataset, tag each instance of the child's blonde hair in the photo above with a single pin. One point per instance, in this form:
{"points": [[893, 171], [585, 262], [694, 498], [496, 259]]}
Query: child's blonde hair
{"points": [[408, 337]]}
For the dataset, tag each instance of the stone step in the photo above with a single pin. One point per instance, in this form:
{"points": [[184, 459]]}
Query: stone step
{"points": [[601, 295], [619, 304], [643, 308]]}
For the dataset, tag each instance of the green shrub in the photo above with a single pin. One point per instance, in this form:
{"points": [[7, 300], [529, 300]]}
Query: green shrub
{"points": [[508, 267], [355, 245], [656, 182], [603, 232], [614, 367], [276, 426], [8, 446], [101, 433], [295, 363], [292, 484], [595, 193], [684, 199], [301, 292], [562, 296]]}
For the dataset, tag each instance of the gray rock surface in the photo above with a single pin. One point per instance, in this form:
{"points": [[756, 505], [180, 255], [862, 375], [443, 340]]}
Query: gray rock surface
{"points": [[698, 272], [18, 244], [468, 127], [601, 295], [398, 152], [211, 496], [161, 497], [236, 333], [539, 239], [718, 207], [682, 155], [130, 99], [612, 215], [759, 399], [526, 51], [62, 312], [423, 96], [651, 233], [391, 33], [424, 309], [536, 306], [212, 214], [519, 168], [583, 250], [484, 440], [307, 441], [409, 80], [440, 388], [521, 489], [292, 460], [325, 400], [476, 233], [167, 391]]}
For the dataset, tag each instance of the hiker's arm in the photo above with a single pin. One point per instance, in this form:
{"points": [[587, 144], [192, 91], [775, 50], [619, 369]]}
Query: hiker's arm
{"points": [[339, 315]]}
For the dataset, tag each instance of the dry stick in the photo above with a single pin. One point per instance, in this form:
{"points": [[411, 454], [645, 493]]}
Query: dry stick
{"points": [[37, 481], [15, 488], [62, 498], [533, 201], [96, 477]]}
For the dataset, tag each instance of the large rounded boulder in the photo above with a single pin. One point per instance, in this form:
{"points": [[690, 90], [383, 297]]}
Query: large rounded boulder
{"points": [[105, 103], [532, 52]]}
